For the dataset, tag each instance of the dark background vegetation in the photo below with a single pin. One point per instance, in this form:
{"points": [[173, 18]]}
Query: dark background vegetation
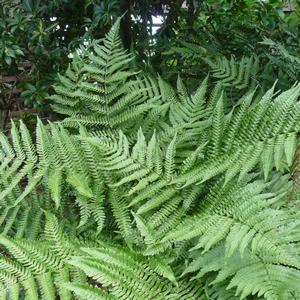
{"points": [[37, 38]]}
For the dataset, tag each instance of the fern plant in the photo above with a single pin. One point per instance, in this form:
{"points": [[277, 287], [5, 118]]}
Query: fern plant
{"points": [[145, 191], [238, 74], [237, 77], [100, 89]]}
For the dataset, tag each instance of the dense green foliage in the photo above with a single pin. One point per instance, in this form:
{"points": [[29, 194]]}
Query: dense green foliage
{"points": [[145, 191], [233, 30]]}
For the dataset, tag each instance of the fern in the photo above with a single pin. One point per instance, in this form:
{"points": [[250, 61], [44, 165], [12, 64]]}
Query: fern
{"points": [[100, 90], [147, 191], [240, 74], [284, 59]]}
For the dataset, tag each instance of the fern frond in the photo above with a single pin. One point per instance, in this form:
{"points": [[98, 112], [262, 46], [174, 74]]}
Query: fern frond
{"points": [[103, 91]]}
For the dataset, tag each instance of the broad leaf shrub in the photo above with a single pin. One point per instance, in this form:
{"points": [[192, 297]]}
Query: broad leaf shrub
{"points": [[144, 191]]}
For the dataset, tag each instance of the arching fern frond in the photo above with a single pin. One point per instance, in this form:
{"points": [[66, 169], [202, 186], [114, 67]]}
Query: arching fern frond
{"points": [[104, 91], [128, 275]]}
